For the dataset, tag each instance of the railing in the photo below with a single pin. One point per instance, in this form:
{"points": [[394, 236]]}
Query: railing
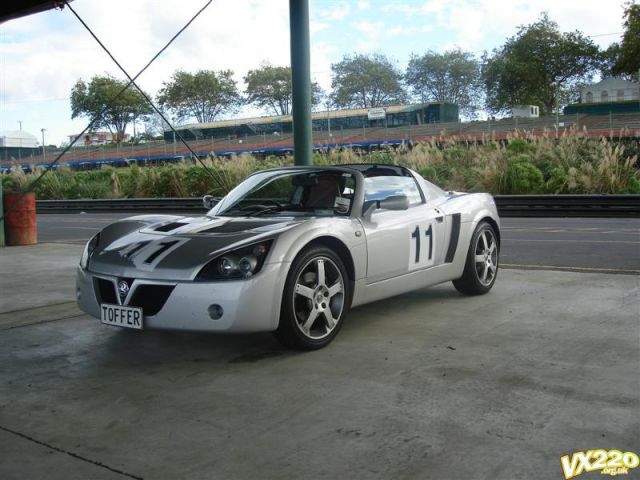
{"points": [[508, 205], [568, 205]]}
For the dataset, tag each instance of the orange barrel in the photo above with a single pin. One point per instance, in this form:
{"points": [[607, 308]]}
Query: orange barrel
{"points": [[20, 218]]}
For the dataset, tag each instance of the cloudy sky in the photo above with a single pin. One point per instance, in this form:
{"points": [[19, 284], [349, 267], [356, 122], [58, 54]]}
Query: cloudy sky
{"points": [[43, 55]]}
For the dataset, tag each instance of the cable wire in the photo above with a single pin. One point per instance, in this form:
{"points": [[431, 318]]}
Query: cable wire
{"points": [[49, 167], [156, 109]]}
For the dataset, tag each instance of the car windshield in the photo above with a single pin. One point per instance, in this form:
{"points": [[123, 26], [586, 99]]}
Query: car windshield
{"points": [[292, 192]]}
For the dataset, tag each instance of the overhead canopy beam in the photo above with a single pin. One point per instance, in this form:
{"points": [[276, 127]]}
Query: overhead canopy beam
{"points": [[301, 80], [11, 10]]}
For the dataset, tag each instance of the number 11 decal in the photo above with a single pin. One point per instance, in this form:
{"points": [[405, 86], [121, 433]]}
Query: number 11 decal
{"points": [[416, 260]]}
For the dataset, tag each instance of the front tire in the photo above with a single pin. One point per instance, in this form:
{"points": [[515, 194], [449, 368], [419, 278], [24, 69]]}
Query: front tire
{"points": [[316, 300], [481, 267]]}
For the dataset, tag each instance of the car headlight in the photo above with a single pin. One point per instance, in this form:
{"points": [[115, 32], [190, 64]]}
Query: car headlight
{"points": [[88, 250], [236, 264]]}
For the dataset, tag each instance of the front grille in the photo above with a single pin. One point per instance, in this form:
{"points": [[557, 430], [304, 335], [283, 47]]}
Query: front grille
{"points": [[105, 291], [151, 298]]}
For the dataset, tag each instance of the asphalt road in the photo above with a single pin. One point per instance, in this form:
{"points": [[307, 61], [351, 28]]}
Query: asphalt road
{"points": [[580, 244]]}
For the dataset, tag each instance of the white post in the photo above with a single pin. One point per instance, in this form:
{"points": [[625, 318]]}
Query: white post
{"points": [[44, 152]]}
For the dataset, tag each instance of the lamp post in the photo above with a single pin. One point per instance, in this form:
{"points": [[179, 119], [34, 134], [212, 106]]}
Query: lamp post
{"points": [[44, 152]]}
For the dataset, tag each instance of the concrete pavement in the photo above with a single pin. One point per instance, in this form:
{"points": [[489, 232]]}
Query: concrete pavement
{"points": [[425, 385], [37, 283]]}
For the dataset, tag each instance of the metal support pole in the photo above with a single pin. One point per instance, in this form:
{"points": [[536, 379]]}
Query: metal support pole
{"points": [[301, 80], [1, 217]]}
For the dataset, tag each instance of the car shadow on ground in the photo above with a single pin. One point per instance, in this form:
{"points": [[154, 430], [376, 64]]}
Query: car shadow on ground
{"points": [[152, 348]]}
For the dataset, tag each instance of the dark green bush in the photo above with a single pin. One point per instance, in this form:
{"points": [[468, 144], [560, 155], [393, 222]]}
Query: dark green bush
{"points": [[430, 173], [518, 146], [522, 177]]}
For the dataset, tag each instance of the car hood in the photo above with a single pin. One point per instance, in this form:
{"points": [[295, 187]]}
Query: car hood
{"points": [[164, 247]]}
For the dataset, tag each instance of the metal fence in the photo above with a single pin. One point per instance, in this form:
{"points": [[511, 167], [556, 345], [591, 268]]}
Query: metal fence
{"points": [[508, 205]]}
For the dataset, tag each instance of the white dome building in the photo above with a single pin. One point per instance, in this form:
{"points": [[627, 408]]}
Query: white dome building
{"points": [[18, 138]]}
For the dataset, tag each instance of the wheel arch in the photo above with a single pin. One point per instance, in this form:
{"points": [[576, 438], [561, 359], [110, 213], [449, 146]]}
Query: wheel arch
{"points": [[341, 250], [495, 226]]}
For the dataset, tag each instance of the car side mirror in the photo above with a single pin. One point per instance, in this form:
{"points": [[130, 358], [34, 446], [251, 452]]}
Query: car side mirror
{"points": [[209, 201], [394, 202]]}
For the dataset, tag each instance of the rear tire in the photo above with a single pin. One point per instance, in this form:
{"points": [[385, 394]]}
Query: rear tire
{"points": [[481, 267], [316, 300]]}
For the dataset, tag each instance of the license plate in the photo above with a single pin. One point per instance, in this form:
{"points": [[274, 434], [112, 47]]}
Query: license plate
{"points": [[128, 317]]}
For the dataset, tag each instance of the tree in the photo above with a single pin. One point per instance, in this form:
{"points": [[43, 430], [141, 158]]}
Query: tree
{"points": [[269, 87], [623, 59], [366, 81], [203, 95], [154, 126], [90, 99], [537, 66], [608, 60], [452, 76]]}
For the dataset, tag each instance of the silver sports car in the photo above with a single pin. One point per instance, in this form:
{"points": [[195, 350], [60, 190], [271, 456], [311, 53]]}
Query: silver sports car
{"points": [[290, 250]]}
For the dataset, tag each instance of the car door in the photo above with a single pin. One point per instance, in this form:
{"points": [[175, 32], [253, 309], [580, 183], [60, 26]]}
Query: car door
{"points": [[401, 242]]}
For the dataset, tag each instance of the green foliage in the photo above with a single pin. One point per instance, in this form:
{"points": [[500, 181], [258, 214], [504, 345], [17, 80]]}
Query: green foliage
{"points": [[536, 65], [203, 95], [366, 81], [452, 76], [99, 95], [624, 58], [269, 87], [557, 180], [522, 176], [518, 145], [524, 164], [430, 173]]}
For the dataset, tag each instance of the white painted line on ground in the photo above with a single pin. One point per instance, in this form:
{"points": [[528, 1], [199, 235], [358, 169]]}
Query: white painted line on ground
{"points": [[564, 240], [568, 268]]}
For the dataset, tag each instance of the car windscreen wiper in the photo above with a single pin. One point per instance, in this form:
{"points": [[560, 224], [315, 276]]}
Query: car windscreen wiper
{"points": [[264, 209]]}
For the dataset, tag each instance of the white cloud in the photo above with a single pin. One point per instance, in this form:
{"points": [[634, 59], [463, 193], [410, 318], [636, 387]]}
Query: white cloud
{"points": [[473, 22], [336, 13], [315, 26], [42, 56], [370, 35]]}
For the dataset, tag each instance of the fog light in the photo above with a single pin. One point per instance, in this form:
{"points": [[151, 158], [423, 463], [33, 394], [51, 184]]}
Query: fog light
{"points": [[78, 294], [215, 311]]}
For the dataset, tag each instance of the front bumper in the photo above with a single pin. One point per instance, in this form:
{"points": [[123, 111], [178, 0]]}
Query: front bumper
{"points": [[251, 305]]}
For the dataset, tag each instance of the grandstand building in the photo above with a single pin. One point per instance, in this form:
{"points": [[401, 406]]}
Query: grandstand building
{"points": [[611, 95], [332, 120]]}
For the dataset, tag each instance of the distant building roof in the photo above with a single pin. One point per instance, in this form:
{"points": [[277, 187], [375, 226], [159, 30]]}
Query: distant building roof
{"points": [[18, 138], [610, 90], [288, 118]]}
